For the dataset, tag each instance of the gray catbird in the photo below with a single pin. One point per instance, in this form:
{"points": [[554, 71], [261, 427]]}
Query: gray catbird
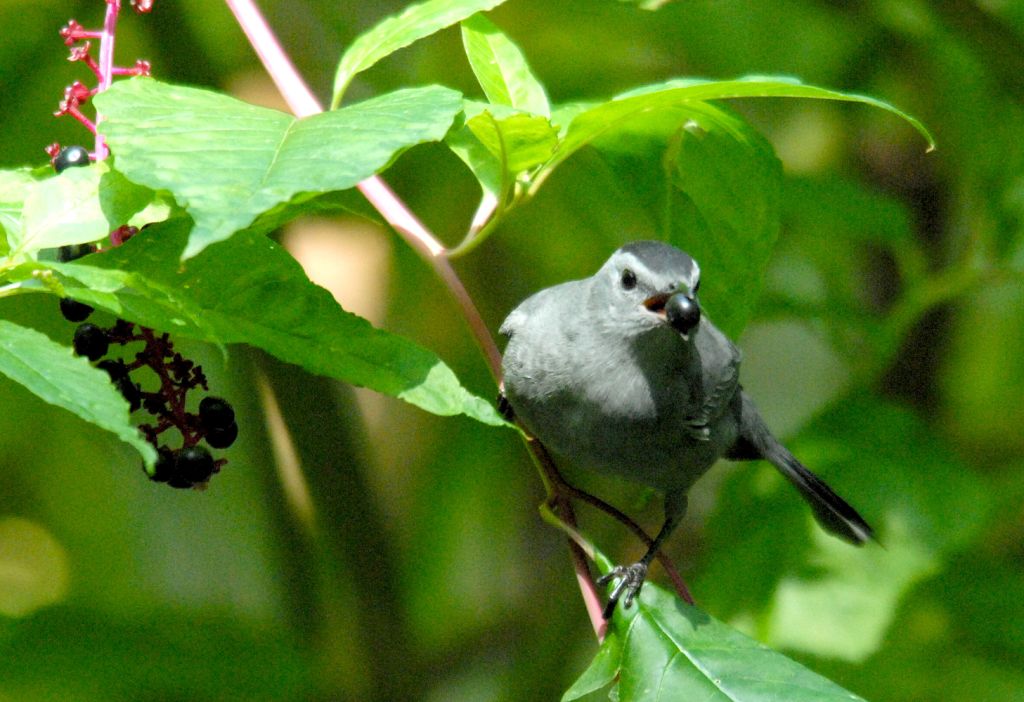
{"points": [[621, 373]]}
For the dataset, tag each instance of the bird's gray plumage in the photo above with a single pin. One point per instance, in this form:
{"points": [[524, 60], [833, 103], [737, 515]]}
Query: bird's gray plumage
{"points": [[596, 372]]}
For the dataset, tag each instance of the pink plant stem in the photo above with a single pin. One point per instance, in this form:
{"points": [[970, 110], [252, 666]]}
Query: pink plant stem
{"points": [[303, 103], [106, 66]]}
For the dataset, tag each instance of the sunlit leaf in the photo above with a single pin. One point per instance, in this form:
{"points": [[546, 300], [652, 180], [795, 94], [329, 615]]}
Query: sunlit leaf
{"points": [[501, 68], [499, 143], [723, 207], [76, 207], [14, 186], [53, 373], [591, 123], [663, 649], [251, 291], [227, 162], [393, 33]]}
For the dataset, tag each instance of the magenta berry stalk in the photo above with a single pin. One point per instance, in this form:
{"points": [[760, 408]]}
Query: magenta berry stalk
{"points": [[79, 40]]}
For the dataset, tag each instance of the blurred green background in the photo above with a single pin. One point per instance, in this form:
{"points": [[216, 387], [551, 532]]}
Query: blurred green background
{"points": [[412, 564]]}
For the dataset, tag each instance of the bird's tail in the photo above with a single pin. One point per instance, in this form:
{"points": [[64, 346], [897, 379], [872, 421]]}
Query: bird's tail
{"points": [[833, 513]]}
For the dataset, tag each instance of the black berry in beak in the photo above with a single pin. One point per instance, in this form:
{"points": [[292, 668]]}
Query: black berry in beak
{"points": [[682, 312]]}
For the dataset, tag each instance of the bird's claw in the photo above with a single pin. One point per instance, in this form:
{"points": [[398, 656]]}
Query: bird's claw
{"points": [[631, 579]]}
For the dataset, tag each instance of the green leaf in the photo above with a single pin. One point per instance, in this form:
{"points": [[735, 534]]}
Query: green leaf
{"points": [[334, 203], [227, 162], [393, 33], [249, 290], [76, 207], [723, 207], [501, 68], [663, 649], [516, 140], [499, 143], [14, 187], [805, 590], [599, 674], [712, 185], [563, 115], [56, 375], [489, 170], [591, 123]]}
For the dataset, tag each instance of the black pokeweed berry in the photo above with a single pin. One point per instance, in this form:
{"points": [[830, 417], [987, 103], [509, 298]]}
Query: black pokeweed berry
{"points": [[70, 157], [91, 341], [179, 482], [163, 469], [118, 373], [194, 464], [222, 437], [216, 413], [130, 391], [74, 311], [115, 369], [156, 404], [682, 312], [74, 251]]}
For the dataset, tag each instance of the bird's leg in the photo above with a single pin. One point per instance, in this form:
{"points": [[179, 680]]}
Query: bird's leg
{"points": [[632, 576]]}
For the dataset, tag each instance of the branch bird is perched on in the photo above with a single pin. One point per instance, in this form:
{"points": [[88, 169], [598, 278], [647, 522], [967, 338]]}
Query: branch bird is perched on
{"points": [[621, 373]]}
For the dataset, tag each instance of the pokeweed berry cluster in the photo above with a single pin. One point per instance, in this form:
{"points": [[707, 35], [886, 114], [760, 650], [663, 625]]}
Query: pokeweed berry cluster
{"points": [[190, 465]]}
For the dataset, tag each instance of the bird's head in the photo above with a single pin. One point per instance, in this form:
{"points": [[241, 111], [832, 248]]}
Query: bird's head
{"points": [[647, 285]]}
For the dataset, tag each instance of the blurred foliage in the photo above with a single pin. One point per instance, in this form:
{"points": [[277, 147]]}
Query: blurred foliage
{"points": [[425, 572]]}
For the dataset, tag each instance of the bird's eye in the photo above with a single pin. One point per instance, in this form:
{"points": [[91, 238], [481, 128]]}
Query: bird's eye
{"points": [[628, 279]]}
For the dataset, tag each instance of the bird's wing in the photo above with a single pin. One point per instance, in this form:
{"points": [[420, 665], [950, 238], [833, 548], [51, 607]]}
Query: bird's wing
{"points": [[721, 382]]}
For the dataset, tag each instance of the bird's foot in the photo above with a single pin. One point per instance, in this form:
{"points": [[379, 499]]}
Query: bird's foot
{"points": [[631, 579]]}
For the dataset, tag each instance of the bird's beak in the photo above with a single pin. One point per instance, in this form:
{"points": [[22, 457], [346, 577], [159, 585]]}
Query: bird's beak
{"points": [[656, 303], [679, 310]]}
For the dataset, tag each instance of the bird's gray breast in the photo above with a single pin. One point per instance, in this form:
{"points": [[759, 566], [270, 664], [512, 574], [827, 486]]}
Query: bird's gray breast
{"points": [[613, 406]]}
